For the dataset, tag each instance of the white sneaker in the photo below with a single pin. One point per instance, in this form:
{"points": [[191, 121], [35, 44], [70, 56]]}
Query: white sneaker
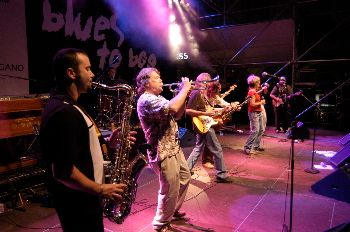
{"points": [[208, 165]]}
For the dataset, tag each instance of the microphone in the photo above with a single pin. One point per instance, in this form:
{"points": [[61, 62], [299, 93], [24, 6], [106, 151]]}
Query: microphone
{"points": [[265, 74], [265, 84], [115, 59]]}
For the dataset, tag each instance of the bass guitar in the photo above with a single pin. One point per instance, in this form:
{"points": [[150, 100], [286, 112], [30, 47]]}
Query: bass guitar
{"points": [[232, 87]]}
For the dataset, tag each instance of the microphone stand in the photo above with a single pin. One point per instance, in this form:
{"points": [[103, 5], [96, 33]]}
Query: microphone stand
{"points": [[316, 103], [267, 81], [104, 71], [4, 76], [297, 125], [312, 170], [100, 115]]}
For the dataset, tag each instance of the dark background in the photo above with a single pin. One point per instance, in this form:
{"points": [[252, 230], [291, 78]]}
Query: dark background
{"points": [[320, 64]]}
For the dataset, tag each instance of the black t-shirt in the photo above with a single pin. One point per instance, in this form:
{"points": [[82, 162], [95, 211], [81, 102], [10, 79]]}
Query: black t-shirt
{"points": [[64, 139]]}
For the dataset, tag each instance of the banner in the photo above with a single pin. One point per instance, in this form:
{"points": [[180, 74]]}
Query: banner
{"points": [[13, 47], [89, 25]]}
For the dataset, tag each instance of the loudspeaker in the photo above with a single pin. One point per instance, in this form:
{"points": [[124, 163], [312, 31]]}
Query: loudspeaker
{"points": [[341, 156], [343, 141], [336, 185], [345, 227], [187, 138]]}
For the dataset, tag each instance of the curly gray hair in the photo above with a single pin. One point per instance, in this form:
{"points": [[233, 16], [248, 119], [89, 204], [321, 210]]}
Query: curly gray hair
{"points": [[142, 79]]}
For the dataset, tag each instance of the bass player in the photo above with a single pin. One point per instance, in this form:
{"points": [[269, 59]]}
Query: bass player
{"points": [[216, 99], [198, 105]]}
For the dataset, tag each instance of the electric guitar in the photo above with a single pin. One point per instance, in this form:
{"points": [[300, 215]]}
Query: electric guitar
{"points": [[232, 87], [285, 98], [203, 123]]}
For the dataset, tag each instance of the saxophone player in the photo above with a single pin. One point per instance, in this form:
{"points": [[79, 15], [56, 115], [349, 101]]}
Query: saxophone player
{"points": [[157, 116], [71, 148]]}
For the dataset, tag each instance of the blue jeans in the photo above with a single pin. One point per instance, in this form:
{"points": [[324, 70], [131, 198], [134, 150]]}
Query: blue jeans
{"points": [[263, 120], [214, 147], [257, 130]]}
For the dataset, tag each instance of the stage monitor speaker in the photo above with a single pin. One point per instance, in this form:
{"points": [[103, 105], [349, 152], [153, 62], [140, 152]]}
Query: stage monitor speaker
{"points": [[336, 185], [344, 227], [341, 156], [187, 138], [343, 141]]}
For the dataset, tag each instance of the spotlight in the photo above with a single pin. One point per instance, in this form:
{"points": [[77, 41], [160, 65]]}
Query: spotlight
{"points": [[172, 18]]}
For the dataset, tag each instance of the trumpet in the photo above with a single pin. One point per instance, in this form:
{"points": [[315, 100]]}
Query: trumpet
{"points": [[177, 84]]}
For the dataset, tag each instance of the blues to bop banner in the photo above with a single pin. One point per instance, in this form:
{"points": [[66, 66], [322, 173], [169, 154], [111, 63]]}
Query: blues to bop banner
{"points": [[90, 25], [33, 31]]}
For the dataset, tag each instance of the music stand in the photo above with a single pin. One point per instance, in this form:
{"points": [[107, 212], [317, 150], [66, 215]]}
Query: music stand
{"points": [[312, 170]]}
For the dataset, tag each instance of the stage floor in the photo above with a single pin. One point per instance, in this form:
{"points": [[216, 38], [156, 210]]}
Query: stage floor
{"points": [[259, 199]]}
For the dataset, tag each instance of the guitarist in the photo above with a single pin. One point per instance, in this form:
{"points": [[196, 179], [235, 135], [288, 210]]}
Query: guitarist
{"points": [[280, 95], [216, 99], [198, 104]]}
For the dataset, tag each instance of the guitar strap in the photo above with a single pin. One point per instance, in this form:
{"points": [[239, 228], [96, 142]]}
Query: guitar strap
{"points": [[207, 101], [103, 144]]}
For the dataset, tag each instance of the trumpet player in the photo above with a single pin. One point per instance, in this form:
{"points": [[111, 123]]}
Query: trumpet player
{"points": [[157, 116]]}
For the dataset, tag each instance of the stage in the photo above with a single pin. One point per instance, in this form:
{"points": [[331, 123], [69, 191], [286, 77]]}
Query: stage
{"points": [[259, 199]]}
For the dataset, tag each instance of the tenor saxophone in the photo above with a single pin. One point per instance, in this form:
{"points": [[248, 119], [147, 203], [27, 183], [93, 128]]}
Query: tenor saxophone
{"points": [[123, 167]]}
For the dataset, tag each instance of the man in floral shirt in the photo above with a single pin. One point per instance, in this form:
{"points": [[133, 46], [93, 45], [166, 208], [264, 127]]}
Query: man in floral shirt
{"points": [[157, 116]]}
